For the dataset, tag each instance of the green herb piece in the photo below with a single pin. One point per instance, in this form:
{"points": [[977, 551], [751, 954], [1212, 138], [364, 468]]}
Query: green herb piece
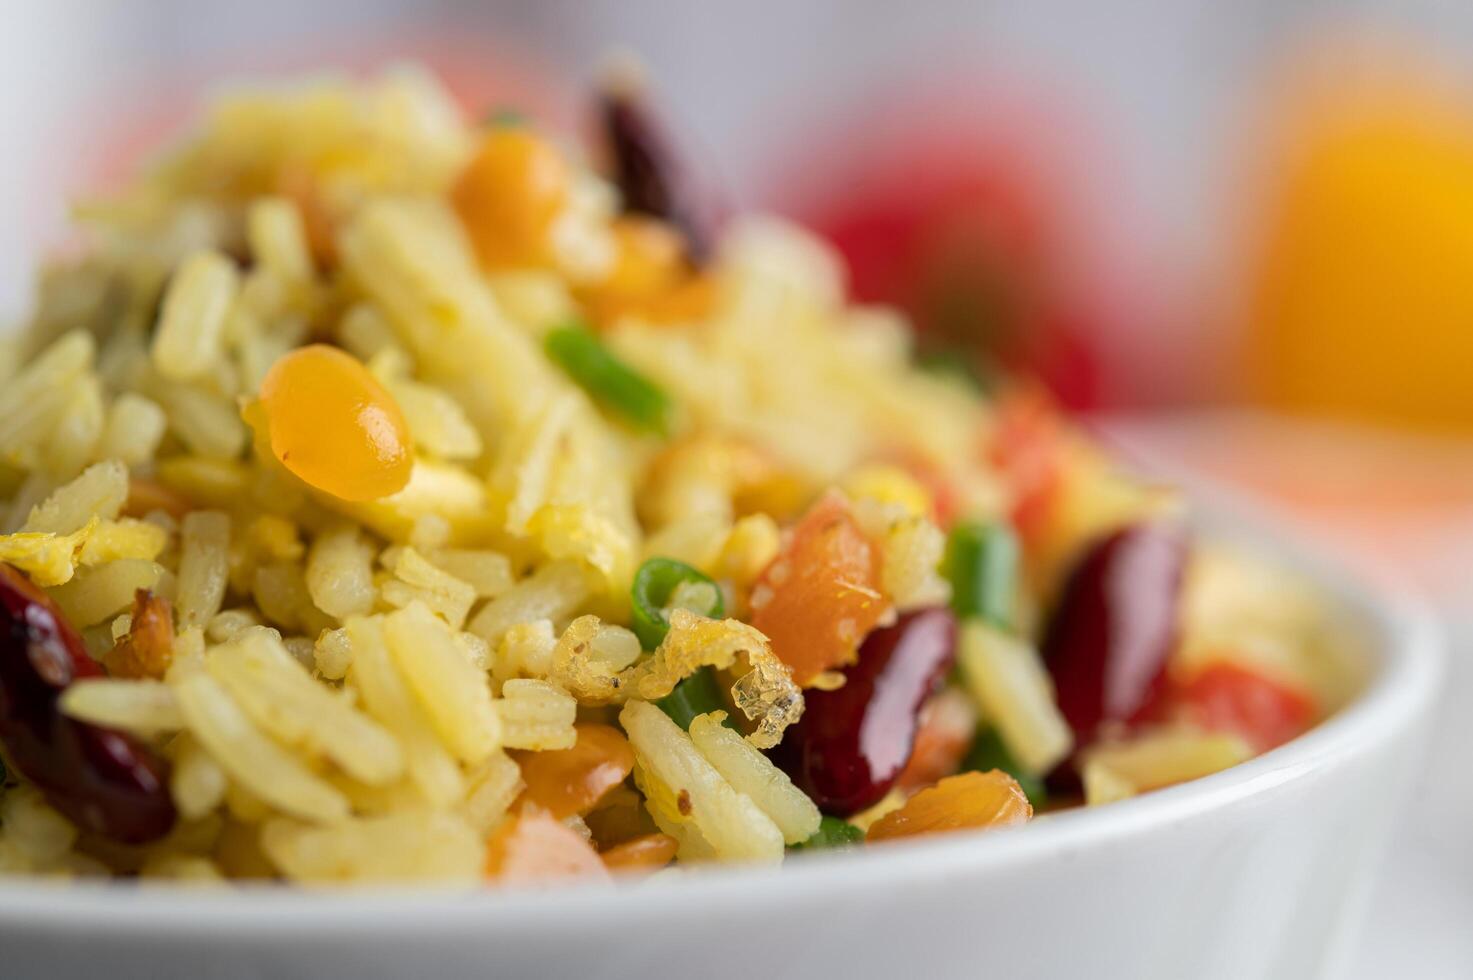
{"points": [[656, 584], [611, 382], [698, 694], [982, 564], [832, 832]]}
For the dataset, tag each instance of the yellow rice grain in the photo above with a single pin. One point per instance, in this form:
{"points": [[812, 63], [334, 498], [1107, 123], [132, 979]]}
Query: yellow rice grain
{"points": [[135, 426], [364, 331], [1115, 771], [554, 591], [417, 580], [477, 652], [72, 442], [281, 696], [435, 419], [733, 825], [98, 492], [280, 591], [204, 559], [277, 239], [124, 538], [333, 654], [1013, 691], [340, 572], [187, 341], [752, 544], [536, 715], [182, 869], [142, 706], [34, 489], [418, 845], [525, 651], [207, 423], [30, 399], [228, 623], [197, 783], [33, 827], [387, 698], [489, 573], [275, 538], [455, 696], [211, 482], [49, 559], [750, 772], [493, 786], [94, 594], [252, 759]]}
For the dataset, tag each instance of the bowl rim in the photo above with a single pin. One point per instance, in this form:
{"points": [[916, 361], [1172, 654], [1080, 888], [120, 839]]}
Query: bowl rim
{"points": [[1405, 648]]}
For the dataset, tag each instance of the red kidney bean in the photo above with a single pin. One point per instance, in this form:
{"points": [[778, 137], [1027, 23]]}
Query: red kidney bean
{"points": [[1114, 627], [648, 173], [852, 743], [103, 780]]}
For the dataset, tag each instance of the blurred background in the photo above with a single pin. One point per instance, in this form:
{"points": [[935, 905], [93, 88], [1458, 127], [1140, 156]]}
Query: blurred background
{"points": [[1235, 238]]}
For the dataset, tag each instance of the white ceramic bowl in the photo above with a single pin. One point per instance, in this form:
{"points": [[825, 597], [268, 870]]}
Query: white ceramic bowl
{"points": [[1256, 872]]}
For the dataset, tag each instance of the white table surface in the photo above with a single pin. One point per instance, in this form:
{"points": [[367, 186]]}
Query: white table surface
{"points": [[1419, 924]]}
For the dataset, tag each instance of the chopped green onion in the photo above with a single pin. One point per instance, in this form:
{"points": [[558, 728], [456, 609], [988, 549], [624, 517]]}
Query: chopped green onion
{"points": [[982, 564], [989, 752], [656, 583], [611, 382], [831, 832], [698, 694]]}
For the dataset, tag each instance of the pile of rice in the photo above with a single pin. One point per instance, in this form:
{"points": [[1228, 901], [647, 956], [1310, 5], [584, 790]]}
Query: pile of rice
{"points": [[347, 679]]}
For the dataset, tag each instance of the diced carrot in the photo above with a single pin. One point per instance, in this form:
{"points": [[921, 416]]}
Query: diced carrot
{"points": [[570, 782], [821, 594], [644, 853], [533, 847], [971, 801], [1234, 698], [1027, 446]]}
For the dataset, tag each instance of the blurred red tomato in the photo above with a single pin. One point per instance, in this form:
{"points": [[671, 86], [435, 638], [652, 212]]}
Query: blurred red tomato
{"points": [[962, 217], [1236, 699]]}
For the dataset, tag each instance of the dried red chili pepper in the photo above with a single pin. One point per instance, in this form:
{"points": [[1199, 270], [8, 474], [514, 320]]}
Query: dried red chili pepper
{"points": [[103, 780], [647, 171]]}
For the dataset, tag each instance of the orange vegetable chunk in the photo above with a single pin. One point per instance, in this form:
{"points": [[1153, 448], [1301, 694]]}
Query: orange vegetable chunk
{"points": [[970, 801], [508, 197], [334, 426], [533, 847], [944, 733], [645, 853], [821, 594], [1238, 700], [570, 782]]}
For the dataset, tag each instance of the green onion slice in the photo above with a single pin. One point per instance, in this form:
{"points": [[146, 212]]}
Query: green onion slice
{"points": [[611, 382], [832, 832], [982, 564], [661, 581], [698, 694]]}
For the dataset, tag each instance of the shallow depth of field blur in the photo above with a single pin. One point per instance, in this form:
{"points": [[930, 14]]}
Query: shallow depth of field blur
{"points": [[1236, 239]]}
